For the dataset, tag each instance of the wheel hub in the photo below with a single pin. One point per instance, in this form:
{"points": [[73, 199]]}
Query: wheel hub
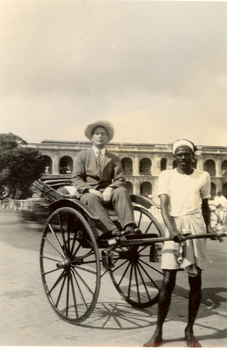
{"points": [[130, 255], [63, 264]]}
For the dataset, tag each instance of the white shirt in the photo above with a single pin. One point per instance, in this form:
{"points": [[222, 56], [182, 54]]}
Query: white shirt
{"points": [[103, 150], [185, 191]]}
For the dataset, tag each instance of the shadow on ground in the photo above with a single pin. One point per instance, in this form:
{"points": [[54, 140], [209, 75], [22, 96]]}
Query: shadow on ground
{"points": [[124, 316], [118, 316]]}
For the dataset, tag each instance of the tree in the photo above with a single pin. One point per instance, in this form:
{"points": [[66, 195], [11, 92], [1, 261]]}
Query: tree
{"points": [[20, 165]]}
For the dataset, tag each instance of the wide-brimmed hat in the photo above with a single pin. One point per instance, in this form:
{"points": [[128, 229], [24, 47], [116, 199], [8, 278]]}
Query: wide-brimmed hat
{"points": [[105, 124]]}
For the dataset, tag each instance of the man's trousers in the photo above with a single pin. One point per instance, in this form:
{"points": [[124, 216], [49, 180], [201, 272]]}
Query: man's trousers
{"points": [[121, 203]]}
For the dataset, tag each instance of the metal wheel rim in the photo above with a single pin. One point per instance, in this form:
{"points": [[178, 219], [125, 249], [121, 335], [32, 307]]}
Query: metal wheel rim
{"points": [[72, 287]]}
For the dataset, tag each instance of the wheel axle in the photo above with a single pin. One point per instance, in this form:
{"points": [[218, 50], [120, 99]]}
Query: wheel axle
{"points": [[63, 264]]}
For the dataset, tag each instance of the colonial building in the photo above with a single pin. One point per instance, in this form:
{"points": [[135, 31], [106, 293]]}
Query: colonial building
{"points": [[142, 163]]}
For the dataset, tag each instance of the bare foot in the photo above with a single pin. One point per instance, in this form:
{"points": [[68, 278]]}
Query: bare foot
{"points": [[192, 342], [154, 342]]}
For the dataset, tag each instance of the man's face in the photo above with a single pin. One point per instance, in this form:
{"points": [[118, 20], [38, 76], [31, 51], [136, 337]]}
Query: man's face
{"points": [[184, 158], [99, 137]]}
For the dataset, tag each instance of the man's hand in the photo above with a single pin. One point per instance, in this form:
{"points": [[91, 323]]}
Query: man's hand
{"points": [[91, 190], [218, 234], [176, 236], [107, 194], [210, 230]]}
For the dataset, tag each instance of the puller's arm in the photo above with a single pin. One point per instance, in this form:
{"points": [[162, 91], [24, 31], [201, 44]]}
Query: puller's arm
{"points": [[175, 235]]}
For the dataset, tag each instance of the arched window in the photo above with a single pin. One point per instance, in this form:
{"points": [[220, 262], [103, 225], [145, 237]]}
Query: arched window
{"points": [[146, 189], [224, 190], [145, 166], [209, 166], [129, 187], [48, 165], [127, 166], [224, 168], [213, 189], [66, 165], [163, 164]]}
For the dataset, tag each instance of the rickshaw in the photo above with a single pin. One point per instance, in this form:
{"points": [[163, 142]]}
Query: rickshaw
{"points": [[74, 257]]}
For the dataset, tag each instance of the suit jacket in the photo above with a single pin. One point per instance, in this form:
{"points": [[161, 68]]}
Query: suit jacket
{"points": [[85, 174]]}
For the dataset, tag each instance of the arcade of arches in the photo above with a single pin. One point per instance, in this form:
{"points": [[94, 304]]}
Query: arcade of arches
{"points": [[142, 163]]}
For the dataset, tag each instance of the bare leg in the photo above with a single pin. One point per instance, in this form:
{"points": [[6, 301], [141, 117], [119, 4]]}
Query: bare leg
{"points": [[193, 307], [168, 284]]}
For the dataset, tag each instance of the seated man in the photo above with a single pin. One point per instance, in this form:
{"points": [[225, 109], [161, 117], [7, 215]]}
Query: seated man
{"points": [[219, 200], [98, 178], [221, 203]]}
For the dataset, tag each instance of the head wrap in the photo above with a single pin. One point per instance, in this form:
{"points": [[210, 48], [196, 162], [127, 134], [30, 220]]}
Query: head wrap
{"points": [[184, 142]]}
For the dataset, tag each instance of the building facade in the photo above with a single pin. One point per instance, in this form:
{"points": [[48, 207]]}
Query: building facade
{"points": [[142, 163]]}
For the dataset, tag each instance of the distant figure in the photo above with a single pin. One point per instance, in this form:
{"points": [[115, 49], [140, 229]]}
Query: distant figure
{"points": [[181, 191], [220, 200], [98, 178], [47, 171], [68, 170]]}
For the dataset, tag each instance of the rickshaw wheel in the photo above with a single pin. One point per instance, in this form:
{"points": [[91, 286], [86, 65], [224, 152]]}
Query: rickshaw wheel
{"points": [[136, 272], [70, 265], [213, 220]]}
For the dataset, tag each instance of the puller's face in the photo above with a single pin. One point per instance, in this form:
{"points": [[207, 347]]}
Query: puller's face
{"points": [[184, 158], [100, 137]]}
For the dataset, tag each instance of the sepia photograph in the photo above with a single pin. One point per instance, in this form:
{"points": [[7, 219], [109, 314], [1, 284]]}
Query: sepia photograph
{"points": [[113, 173]]}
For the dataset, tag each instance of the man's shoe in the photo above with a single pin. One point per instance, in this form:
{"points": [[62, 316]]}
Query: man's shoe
{"points": [[129, 230], [116, 233], [138, 231], [111, 234]]}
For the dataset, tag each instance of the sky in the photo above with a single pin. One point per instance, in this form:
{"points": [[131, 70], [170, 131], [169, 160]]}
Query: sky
{"points": [[156, 69]]}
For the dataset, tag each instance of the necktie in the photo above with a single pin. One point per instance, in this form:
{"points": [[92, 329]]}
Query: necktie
{"points": [[98, 163]]}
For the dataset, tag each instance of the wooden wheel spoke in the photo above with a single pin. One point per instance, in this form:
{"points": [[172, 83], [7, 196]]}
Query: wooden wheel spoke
{"points": [[123, 275], [130, 281], [60, 253], [56, 237], [74, 297], [144, 283], [137, 283], [149, 225], [76, 273], [150, 266], [62, 275], [78, 267], [139, 221], [73, 245], [62, 230], [119, 266], [51, 271], [67, 296], [60, 292], [139, 263], [48, 258], [79, 289]]}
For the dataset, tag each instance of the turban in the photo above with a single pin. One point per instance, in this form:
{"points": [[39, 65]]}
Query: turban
{"points": [[184, 142]]}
